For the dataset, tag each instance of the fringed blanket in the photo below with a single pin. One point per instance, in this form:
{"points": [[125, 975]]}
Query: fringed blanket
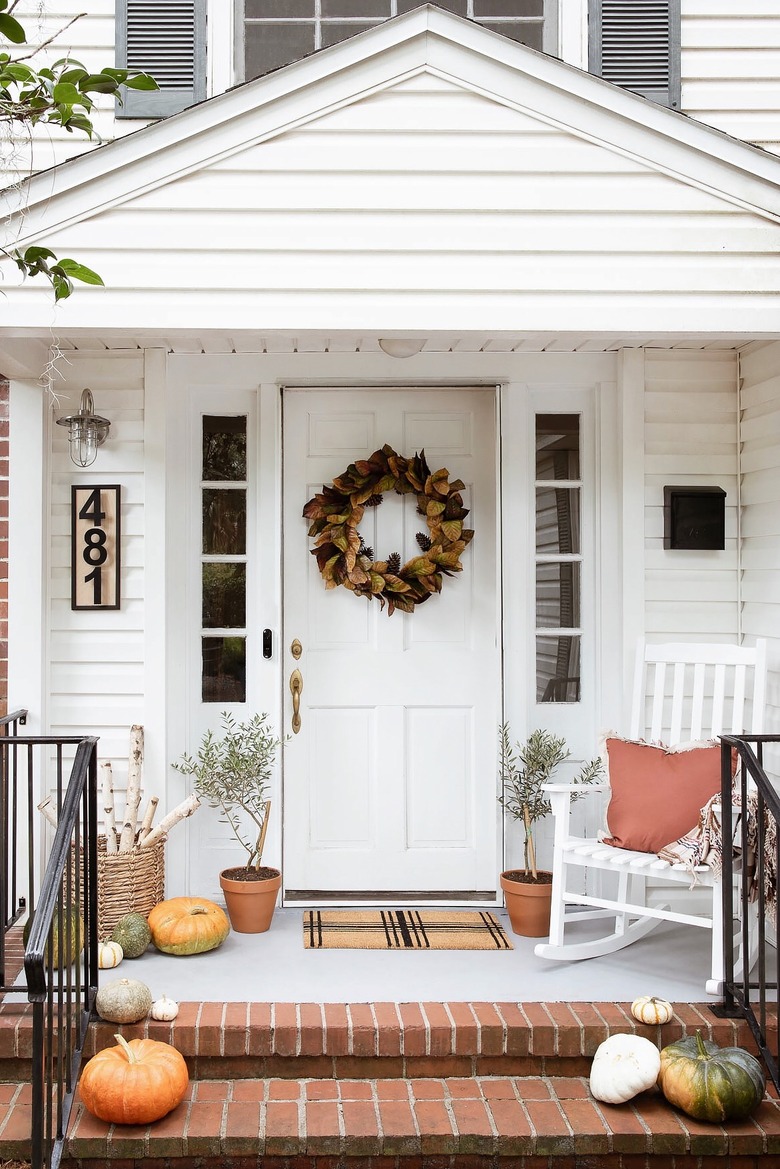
{"points": [[703, 845]]}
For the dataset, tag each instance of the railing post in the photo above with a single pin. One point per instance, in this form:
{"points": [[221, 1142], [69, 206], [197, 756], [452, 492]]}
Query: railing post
{"points": [[727, 876]]}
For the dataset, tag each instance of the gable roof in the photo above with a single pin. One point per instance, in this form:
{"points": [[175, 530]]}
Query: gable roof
{"points": [[428, 39]]}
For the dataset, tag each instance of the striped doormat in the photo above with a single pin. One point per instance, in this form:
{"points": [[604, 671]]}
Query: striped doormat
{"points": [[402, 929]]}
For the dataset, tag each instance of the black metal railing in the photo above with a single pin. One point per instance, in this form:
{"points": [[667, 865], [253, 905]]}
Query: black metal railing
{"points": [[61, 961], [15, 808], [751, 983]]}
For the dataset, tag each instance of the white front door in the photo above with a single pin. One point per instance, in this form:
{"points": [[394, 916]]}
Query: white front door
{"points": [[390, 783]]}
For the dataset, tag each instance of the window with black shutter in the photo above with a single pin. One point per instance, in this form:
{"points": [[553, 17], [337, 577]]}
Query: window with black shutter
{"points": [[636, 44], [168, 40]]}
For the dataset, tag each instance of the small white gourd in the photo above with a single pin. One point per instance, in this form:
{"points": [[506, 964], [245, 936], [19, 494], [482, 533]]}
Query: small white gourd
{"points": [[623, 1066], [651, 1010], [164, 1009], [110, 954]]}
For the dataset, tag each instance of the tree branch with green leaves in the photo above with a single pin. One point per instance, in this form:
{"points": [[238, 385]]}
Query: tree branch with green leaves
{"points": [[59, 94]]}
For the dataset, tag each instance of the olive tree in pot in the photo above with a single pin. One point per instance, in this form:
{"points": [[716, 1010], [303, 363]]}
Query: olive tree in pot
{"points": [[232, 773], [524, 770]]}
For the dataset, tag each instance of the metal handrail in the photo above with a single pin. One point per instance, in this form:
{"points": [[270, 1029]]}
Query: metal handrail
{"points": [[63, 993], [758, 805]]}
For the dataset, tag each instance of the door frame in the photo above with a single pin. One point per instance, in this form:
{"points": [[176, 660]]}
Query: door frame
{"points": [[409, 386]]}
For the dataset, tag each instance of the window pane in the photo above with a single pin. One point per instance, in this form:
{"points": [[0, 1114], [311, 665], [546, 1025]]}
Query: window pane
{"points": [[333, 33], [557, 520], [224, 596], [368, 8], [508, 8], [224, 669], [224, 522], [526, 34], [558, 596], [224, 448], [269, 46], [262, 9], [557, 669], [557, 446], [459, 7]]}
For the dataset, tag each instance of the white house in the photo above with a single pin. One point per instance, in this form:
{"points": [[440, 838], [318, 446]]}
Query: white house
{"points": [[432, 236]]}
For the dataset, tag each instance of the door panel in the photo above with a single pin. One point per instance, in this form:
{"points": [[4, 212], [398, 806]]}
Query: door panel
{"points": [[390, 786]]}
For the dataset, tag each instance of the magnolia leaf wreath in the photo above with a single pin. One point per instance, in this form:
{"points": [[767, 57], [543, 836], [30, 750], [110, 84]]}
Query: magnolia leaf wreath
{"points": [[342, 557]]}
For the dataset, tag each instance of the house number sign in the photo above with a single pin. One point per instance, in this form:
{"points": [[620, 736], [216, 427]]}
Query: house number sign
{"points": [[94, 526]]}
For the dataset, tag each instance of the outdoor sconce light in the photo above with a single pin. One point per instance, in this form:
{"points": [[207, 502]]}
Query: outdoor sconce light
{"points": [[87, 431], [401, 346]]}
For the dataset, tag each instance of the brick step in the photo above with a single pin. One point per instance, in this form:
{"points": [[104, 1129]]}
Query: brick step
{"points": [[472, 1121], [405, 1040]]}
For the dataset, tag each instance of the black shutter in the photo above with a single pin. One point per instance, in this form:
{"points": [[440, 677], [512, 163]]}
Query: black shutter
{"points": [[166, 38], [636, 44]]}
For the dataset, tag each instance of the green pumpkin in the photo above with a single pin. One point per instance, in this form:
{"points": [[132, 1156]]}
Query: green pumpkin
{"points": [[133, 934], [77, 932], [710, 1082]]}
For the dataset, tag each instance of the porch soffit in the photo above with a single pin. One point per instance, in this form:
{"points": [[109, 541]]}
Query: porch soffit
{"points": [[426, 39], [25, 356]]}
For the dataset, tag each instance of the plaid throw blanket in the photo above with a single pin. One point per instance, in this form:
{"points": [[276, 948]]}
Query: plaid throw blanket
{"points": [[703, 845]]}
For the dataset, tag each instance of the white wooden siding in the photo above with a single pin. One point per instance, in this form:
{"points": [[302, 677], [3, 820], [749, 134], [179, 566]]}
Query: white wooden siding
{"points": [[393, 207], [731, 67], [760, 403], [96, 659], [690, 440]]}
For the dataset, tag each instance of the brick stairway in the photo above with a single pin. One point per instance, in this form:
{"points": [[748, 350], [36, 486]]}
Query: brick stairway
{"points": [[387, 1086]]}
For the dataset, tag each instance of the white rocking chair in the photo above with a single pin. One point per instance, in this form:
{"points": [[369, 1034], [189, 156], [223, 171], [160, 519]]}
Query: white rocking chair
{"points": [[682, 692]]}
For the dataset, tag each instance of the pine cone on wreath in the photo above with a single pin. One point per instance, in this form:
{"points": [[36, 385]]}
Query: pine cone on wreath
{"points": [[394, 563]]}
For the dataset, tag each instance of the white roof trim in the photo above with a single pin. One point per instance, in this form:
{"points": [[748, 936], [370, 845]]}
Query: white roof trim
{"points": [[427, 38]]}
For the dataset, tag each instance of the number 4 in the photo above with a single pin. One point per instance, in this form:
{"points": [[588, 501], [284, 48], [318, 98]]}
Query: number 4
{"points": [[91, 509]]}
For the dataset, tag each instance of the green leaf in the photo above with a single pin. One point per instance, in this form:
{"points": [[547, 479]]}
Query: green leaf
{"points": [[452, 529], [17, 72], [65, 93], [77, 271], [94, 83], [142, 81], [11, 29]]}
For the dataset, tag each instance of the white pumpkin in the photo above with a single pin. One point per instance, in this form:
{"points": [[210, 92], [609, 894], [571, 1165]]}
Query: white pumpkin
{"points": [[623, 1066], [110, 954], [164, 1009], [651, 1010]]}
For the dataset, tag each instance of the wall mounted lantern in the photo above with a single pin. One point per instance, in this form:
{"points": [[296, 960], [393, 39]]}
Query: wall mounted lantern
{"points": [[87, 431]]}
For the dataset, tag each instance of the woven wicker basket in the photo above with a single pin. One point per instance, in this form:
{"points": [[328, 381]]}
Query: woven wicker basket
{"points": [[128, 882]]}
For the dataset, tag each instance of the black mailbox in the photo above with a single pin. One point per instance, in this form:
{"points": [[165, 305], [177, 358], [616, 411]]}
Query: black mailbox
{"points": [[695, 517]]}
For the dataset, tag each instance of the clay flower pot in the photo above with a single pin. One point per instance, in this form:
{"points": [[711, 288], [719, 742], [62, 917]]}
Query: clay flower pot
{"points": [[250, 897], [528, 902]]}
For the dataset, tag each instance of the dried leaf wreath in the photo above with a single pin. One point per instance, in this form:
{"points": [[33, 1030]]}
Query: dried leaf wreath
{"points": [[343, 558]]}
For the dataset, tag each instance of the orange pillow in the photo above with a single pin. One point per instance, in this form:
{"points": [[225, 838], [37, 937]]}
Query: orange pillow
{"points": [[657, 792]]}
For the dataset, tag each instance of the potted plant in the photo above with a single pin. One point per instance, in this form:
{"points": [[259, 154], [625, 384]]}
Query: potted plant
{"points": [[232, 773], [524, 770]]}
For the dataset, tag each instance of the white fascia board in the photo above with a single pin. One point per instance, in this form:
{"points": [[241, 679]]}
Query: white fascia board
{"points": [[426, 38]]}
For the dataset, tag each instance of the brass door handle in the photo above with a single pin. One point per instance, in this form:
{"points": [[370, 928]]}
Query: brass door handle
{"points": [[296, 689]]}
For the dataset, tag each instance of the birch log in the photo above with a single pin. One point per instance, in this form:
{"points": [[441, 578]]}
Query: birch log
{"points": [[146, 823], [180, 812], [107, 788], [134, 769], [47, 810]]}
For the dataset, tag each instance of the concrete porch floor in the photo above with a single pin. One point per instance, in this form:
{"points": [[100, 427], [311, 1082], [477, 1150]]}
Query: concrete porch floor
{"points": [[673, 963]]}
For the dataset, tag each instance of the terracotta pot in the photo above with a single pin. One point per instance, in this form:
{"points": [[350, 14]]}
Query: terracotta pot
{"points": [[250, 904], [528, 906]]}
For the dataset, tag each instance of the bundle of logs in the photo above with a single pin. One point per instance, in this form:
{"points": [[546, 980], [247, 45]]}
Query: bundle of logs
{"points": [[132, 834]]}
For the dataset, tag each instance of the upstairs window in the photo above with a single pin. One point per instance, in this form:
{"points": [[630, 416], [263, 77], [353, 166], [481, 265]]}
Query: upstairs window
{"points": [[277, 32], [636, 44], [168, 40]]}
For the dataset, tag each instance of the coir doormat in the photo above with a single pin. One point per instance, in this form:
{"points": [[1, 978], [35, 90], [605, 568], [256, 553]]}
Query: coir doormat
{"points": [[402, 929]]}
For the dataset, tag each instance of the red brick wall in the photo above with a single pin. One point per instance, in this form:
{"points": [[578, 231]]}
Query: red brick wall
{"points": [[3, 547]]}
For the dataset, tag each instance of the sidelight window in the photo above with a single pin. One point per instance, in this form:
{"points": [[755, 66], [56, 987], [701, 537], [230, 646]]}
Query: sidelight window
{"points": [[558, 557], [223, 497]]}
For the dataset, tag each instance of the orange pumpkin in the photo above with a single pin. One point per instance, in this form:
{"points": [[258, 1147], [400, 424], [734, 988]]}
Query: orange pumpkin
{"points": [[135, 1083], [188, 925]]}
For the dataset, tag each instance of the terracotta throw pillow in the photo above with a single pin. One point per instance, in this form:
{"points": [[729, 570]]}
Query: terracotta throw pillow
{"points": [[657, 792]]}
